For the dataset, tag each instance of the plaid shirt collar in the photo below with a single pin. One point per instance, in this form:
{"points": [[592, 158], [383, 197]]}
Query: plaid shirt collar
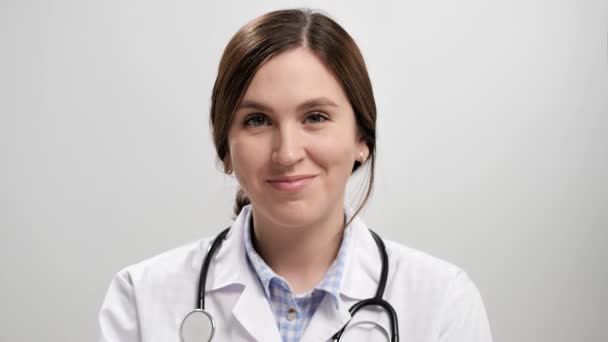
{"points": [[330, 283]]}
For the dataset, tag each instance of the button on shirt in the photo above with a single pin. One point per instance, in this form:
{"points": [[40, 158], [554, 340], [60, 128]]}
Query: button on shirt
{"points": [[293, 312]]}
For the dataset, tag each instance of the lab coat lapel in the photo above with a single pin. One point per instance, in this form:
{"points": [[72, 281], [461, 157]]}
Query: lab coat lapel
{"points": [[230, 266], [360, 280], [327, 320], [253, 312]]}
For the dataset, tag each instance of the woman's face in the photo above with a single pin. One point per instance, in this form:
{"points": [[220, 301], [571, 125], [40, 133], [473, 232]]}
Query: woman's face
{"points": [[294, 140]]}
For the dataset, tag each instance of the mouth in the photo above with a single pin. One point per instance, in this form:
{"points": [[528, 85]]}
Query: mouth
{"points": [[291, 183]]}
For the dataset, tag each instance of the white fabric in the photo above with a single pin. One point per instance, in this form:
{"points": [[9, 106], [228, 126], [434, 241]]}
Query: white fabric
{"points": [[434, 300]]}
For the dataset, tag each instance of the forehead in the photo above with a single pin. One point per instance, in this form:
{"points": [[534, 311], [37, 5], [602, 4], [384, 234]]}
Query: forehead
{"points": [[293, 77]]}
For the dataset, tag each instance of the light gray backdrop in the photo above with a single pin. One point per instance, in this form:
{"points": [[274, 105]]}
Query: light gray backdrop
{"points": [[493, 149]]}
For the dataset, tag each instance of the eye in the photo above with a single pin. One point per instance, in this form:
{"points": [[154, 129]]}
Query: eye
{"points": [[256, 120], [315, 118]]}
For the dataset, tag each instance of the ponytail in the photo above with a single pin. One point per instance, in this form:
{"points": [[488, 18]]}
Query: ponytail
{"points": [[240, 201]]}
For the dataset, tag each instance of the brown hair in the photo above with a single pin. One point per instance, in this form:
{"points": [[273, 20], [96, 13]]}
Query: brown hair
{"points": [[273, 33]]}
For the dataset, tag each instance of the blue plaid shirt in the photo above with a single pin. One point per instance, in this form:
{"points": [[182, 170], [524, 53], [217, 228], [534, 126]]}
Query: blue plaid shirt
{"points": [[293, 312]]}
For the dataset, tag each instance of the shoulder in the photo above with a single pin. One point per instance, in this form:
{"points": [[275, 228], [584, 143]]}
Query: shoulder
{"points": [[143, 291], [176, 262], [419, 264], [443, 288], [428, 274]]}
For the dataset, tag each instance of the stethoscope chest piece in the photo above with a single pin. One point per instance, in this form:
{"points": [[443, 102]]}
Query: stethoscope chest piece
{"points": [[197, 326]]}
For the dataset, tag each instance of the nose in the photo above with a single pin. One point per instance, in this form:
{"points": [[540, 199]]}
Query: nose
{"points": [[288, 147]]}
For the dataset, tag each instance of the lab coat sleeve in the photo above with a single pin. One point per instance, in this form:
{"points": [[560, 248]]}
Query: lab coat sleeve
{"points": [[118, 320], [464, 317]]}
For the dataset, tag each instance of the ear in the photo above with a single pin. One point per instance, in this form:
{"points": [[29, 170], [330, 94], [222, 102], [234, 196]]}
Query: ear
{"points": [[227, 162], [362, 147]]}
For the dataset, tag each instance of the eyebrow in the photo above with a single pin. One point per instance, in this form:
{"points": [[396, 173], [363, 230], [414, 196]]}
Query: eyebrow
{"points": [[308, 104]]}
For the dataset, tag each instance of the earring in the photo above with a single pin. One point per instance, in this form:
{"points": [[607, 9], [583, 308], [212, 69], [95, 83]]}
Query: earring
{"points": [[229, 171], [362, 157]]}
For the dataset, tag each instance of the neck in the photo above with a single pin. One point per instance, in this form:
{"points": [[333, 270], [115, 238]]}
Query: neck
{"points": [[302, 255]]}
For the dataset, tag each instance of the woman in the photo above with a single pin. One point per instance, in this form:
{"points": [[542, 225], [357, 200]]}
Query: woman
{"points": [[293, 116]]}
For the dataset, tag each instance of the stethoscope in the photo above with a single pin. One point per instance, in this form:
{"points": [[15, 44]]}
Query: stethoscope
{"points": [[198, 325]]}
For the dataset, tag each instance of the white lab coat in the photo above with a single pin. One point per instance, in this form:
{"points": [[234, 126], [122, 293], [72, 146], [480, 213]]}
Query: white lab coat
{"points": [[434, 300]]}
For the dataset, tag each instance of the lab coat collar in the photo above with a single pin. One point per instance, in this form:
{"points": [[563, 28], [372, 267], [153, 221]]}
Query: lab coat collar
{"points": [[362, 273], [229, 267], [359, 281]]}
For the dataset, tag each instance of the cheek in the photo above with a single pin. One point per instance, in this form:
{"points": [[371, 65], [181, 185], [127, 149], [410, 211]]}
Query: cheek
{"points": [[335, 154], [246, 161]]}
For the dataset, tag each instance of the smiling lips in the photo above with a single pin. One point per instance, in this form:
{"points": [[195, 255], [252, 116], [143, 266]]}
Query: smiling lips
{"points": [[291, 183]]}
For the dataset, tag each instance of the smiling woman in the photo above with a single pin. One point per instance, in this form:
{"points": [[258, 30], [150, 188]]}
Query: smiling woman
{"points": [[305, 135], [293, 116], [319, 68]]}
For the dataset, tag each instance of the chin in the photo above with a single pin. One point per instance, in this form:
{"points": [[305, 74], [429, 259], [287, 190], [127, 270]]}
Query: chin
{"points": [[294, 214]]}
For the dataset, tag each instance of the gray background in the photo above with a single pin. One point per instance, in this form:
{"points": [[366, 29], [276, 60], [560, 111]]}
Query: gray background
{"points": [[493, 149]]}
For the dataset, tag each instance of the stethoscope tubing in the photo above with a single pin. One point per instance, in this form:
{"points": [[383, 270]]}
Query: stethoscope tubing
{"points": [[200, 303], [377, 300]]}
